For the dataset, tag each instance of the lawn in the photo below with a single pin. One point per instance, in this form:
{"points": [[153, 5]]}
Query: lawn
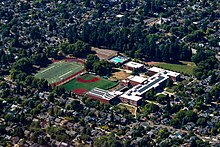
{"points": [[59, 70], [132, 109], [182, 67], [101, 83]]}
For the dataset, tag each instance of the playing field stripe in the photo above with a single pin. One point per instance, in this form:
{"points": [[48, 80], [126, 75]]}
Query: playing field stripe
{"points": [[59, 70], [47, 69], [69, 72], [65, 74]]}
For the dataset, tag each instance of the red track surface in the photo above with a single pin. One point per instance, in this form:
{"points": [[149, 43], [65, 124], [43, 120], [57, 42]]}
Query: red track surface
{"points": [[79, 91], [95, 79]]}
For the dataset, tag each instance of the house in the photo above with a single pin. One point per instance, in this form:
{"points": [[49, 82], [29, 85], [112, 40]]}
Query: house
{"points": [[133, 65], [87, 119], [94, 132], [218, 55], [15, 139]]}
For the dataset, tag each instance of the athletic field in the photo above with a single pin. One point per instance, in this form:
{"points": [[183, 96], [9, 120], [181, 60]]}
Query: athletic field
{"points": [[87, 82], [57, 71], [183, 67]]}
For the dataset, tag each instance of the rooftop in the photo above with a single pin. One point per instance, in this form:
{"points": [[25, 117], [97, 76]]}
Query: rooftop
{"points": [[138, 79], [163, 71], [134, 64], [137, 91], [104, 94], [131, 97], [152, 82]]}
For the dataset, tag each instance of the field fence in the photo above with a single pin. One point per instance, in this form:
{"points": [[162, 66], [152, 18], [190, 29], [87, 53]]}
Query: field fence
{"points": [[71, 60]]}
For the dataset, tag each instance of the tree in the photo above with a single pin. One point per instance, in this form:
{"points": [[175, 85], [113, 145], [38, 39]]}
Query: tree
{"points": [[35, 33], [199, 56], [151, 108], [9, 117], [176, 122], [150, 95], [123, 7], [87, 3], [163, 133], [169, 83], [51, 98], [76, 105], [18, 131], [90, 60], [2, 129], [213, 78], [135, 72], [86, 32], [201, 121], [58, 133], [161, 99], [103, 68], [79, 49], [106, 141], [193, 143], [23, 65], [184, 117]]}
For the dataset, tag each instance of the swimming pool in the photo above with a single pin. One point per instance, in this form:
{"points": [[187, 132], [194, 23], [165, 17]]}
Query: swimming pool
{"points": [[118, 59]]}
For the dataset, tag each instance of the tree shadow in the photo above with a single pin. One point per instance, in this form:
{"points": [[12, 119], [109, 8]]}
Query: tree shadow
{"points": [[115, 70]]}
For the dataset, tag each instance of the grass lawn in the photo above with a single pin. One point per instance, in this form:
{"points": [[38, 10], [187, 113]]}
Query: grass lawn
{"points": [[132, 109], [183, 67], [102, 83], [59, 70]]}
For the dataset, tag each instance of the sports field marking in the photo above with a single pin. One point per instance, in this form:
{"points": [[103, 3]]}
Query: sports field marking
{"points": [[69, 72], [59, 71], [65, 74], [47, 69]]}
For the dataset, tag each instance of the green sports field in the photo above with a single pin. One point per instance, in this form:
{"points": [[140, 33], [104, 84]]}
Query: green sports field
{"points": [[101, 83], [183, 67], [59, 70]]}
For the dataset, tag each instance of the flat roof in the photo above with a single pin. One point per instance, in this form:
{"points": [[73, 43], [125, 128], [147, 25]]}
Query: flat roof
{"points": [[138, 79], [163, 71], [101, 93], [151, 84], [137, 91], [131, 97], [155, 69], [134, 64]]}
